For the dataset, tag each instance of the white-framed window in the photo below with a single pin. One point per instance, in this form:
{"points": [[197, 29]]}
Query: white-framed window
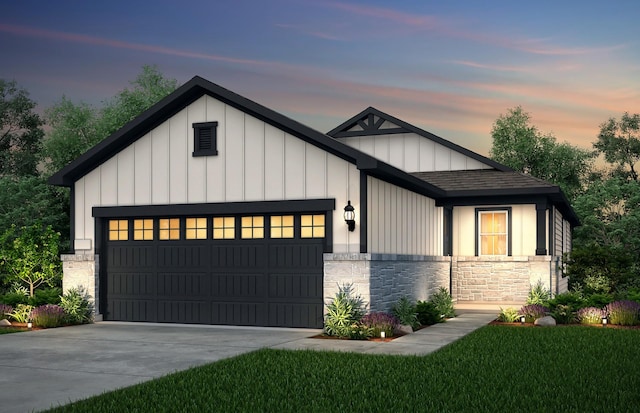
{"points": [[493, 232]]}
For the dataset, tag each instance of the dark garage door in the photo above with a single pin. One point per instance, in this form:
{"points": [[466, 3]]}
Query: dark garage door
{"points": [[258, 275]]}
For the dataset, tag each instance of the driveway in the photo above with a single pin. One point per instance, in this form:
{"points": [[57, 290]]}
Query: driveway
{"points": [[46, 368]]}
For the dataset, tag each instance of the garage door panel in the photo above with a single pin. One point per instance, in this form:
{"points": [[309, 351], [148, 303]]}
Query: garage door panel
{"points": [[238, 285], [183, 256], [183, 285], [127, 256], [295, 286], [186, 311], [134, 284], [238, 256], [240, 313], [132, 309], [295, 315]]}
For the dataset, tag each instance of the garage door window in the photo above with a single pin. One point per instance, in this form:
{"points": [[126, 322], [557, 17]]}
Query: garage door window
{"points": [[118, 230], [252, 227], [224, 228], [282, 226], [196, 228], [142, 229], [169, 228], [312, 226]]}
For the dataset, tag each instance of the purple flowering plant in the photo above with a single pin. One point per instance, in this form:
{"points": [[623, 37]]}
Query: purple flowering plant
{"points": [[623, 312], [5, 310], [532, 312], [47, 316], [590, 315], [378, 322]]}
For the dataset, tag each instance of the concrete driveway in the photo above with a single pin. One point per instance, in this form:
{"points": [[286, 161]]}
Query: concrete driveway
{"points": [[45, 368]]}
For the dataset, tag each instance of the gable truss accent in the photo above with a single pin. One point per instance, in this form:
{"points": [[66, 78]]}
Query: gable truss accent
{"points": [[367, 123]]}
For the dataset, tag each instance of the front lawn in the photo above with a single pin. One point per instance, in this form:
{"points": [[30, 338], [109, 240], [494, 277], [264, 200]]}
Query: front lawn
{"points": [[495, 369]]}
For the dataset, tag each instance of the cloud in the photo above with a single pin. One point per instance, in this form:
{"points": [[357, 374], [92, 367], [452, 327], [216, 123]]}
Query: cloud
{"points": [[100, 41], [306, 31]]}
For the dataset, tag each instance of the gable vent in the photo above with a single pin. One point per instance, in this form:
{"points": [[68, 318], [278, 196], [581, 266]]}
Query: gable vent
{"points": [[205, 139]]}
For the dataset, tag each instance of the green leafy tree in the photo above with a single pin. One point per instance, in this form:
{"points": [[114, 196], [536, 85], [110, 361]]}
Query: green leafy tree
{"points": [[519, 145], [29, 256], [619, 142], [20, 131], [75, 128], [25, 200]]}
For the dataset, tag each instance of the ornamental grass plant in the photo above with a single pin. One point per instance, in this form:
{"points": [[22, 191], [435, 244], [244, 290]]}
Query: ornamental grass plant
{"points": [[532, 312], [624, 312], [378, 322], [5, 311], [590, 315]]}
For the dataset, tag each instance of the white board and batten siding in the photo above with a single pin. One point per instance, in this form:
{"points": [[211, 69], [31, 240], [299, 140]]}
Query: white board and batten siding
{"points": [[411, 152], [401, 221], [562, 245], [523, 230], [255, 162]]}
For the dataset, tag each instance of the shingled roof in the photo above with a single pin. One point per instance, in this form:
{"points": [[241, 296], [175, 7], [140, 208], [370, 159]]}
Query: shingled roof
{"points": [[485, 183]]}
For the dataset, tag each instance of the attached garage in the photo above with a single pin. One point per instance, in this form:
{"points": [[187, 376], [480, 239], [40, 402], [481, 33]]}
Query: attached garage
{"points": [[258, 269]]}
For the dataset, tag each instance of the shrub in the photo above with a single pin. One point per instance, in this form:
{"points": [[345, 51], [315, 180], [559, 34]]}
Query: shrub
{"points": [[47, 316], [508, 315], [532, 312], [590, 315], [405, 312], [5, 310], [633, 294], [377, 322], [14, 298], [443, 303], [359, 332], [624, 312], [344, 310], [21, 313], [598, 300], [77, 307], [538, 294], [427, 313], [46, 296], [563, 314]]}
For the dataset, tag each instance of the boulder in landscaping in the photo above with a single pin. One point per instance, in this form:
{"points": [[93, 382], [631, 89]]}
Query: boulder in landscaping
{"points": [[402, 329], [545, 321], [5, 323]]}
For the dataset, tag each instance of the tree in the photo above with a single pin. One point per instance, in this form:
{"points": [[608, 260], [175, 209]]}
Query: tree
{"points": [[520, 146], [619, 142], [29, 255], [75, 128], [20, 132]]}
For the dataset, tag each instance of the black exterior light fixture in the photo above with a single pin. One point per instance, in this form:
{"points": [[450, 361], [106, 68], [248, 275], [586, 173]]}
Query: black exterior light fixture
{"points": [[350, 216]]}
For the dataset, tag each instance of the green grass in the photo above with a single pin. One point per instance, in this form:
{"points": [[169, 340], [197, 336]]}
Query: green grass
{"points": [[8, 330], [495, 369]]}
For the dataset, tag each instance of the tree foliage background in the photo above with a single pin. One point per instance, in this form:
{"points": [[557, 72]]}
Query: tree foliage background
{"points": [[606, 247], [28, 156]]}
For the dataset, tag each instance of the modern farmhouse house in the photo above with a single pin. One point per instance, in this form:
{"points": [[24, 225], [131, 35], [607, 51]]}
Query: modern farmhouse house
{"points": [[210, 208]]}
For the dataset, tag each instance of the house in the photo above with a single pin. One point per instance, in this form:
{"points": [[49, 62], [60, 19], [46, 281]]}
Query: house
{"points": [[210, 208]]}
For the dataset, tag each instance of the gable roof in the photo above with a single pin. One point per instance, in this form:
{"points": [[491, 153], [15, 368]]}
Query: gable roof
{"points": [[482, 184], [372, 121], [193, 90]]}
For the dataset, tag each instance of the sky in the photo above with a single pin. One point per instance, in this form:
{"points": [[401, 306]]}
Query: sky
{"points": [[449, 67]]}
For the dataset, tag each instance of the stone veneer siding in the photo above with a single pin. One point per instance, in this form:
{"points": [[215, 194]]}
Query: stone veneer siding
{"points": [[503, 279], [81, 271], [382, 279]]}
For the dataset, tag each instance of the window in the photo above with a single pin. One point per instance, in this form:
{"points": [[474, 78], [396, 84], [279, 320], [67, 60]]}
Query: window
{"points": [[118, 230], [169, 228], [196, 228], [282, 226], [493, 232], [312, 226], [252, 227], [205, 139], [142, 229], [224, 228]]}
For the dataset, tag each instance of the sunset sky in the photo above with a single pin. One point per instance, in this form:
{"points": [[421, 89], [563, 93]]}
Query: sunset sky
{"points": [[450, 67]]}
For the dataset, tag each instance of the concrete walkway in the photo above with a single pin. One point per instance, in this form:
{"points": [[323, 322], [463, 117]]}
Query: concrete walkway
{"points": [[421, 342], [50, 367]]}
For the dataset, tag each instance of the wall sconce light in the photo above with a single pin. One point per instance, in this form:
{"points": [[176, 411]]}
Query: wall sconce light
{"points": [[350, 216], [604, 321], [522, 319]]}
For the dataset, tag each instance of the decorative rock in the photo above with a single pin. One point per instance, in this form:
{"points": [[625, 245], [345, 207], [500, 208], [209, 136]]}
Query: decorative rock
{"points": [[403, 329], [5, 323], [545, 321]]}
